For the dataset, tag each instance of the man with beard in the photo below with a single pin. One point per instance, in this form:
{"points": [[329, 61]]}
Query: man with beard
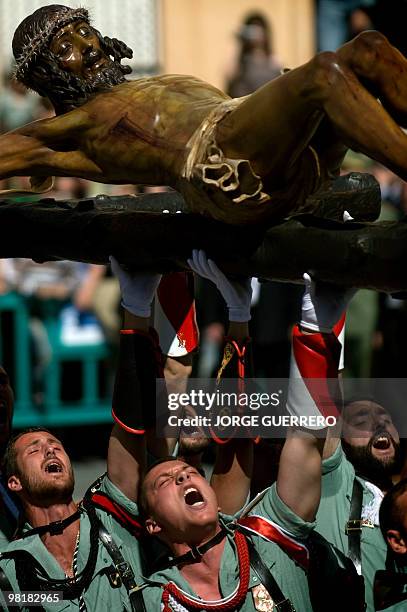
{"points": [[181, 509], [356, 472], [212, 568], [245, 160], [371, 441], [66, 547], [229, 479], [59, 547], [356, 475]]}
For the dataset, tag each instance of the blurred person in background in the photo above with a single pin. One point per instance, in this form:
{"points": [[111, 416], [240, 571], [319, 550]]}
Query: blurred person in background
{"points": [[256, 63], [17, 105], [359, 20], [337, 19], [341, 20], [390, 18]]}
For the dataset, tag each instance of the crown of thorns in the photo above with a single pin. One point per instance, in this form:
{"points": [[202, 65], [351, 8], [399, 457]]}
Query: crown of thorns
{"points": [[43, 36]]}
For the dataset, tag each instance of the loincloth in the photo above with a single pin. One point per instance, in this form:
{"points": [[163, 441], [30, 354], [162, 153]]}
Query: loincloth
{"points": [[229, 190]]}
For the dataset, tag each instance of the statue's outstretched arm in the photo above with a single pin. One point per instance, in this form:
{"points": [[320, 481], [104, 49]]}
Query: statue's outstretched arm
{"points": [[47, 147]]}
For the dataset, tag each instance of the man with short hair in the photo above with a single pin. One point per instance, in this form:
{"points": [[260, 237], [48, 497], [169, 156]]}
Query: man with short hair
{"points": [[246, 160], [356, 474], [371, 441], [212, 559], [65, 546], [356, 471], [59, 547]]}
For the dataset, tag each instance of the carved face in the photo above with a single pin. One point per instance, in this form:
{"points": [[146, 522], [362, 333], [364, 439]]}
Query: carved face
{"points": [[77, 47]]}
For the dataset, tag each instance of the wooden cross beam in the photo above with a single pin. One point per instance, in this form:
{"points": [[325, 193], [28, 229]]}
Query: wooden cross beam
{"points": [[147, 238]]}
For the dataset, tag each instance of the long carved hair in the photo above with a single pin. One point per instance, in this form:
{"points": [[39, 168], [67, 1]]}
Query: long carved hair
{"points": [[38, 68]]}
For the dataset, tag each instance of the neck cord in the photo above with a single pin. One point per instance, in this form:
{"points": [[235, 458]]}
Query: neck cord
{"points": [[54, 528], [229, 603], [196, 553], [74, 568]]}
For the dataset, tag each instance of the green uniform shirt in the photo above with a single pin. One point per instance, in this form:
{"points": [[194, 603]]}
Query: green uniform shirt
{"points": [[290, 577], [399, 607], [6, 531], [9, 513], [337, 482], [399, 571], [100, 595]]}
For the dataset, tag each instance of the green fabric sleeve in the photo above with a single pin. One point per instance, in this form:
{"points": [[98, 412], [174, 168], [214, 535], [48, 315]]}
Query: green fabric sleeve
{"points": [[272, 506], [112, 491], [333, 462]]}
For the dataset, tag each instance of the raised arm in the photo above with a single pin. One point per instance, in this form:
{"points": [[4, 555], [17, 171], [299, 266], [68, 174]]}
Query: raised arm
{"points": [[48, 147], [232, 474], [333, 436], [234, 457], [134, 392], [314, 393]]}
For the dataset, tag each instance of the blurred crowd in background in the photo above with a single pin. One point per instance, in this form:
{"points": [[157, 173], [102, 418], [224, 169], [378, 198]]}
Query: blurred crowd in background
{"points": [[85, 297]]}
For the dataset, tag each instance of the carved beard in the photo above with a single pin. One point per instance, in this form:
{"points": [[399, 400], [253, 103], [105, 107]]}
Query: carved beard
{"points": [[67, 91], [109, 75], [81, 89]]}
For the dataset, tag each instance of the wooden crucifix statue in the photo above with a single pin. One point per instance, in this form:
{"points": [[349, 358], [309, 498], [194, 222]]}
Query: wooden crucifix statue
{"points": [[249, 160]]}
